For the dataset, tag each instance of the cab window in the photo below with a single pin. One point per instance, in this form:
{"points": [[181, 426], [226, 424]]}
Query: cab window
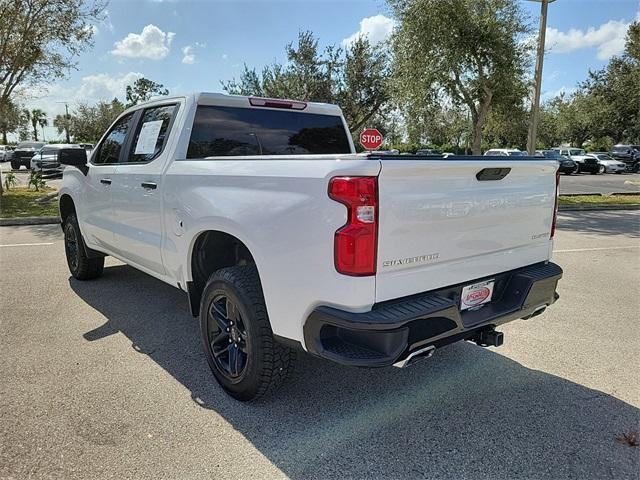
{"points": [[151, 134], [109, 150]]}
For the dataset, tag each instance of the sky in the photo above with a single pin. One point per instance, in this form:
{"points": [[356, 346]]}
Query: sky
{"points": [[194, 45]]}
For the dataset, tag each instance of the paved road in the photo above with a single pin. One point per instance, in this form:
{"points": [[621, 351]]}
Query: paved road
{"points": [[607, 183], [106, 379]]}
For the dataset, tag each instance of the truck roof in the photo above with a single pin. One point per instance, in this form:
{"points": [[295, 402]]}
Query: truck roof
{"points": [[243, 101]]}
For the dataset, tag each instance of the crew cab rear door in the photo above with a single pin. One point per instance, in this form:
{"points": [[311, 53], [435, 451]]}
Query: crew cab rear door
{"points": [[448, 221]]}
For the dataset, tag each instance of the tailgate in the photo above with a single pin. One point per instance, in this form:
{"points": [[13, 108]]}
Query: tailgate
{"points": [[439, 225]]}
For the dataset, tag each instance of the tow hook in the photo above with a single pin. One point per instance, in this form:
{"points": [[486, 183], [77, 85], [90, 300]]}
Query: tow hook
{"points": [[488, 338]]}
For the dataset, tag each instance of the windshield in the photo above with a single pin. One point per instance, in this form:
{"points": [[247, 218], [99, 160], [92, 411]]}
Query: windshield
{"points": [[576, 151], [34, 145], [604, 157], [516, 153]]}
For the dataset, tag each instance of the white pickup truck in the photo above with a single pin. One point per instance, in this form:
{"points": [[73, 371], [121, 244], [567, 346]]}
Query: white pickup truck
{"points": [[284, 238]]}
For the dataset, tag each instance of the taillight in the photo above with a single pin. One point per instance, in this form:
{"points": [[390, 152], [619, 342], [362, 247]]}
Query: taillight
{"points": [[356, 243], [276, 103], [555, 206]]}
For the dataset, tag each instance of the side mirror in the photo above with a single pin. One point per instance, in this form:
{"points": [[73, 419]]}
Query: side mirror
{"points": [[75, 157]]}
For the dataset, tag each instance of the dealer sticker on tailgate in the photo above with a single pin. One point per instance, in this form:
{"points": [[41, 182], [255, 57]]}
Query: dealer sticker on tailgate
{"points": [[476, 294]]}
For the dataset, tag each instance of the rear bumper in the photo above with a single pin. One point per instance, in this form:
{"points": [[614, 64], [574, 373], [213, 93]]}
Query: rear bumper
{"points": [[393, 330]]}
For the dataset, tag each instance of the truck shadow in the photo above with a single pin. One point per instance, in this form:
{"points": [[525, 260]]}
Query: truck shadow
{"points": [[466, 412]]}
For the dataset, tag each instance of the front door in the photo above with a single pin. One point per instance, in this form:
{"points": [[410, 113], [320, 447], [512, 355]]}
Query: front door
{"points": [[97, 203], [137, 193]]}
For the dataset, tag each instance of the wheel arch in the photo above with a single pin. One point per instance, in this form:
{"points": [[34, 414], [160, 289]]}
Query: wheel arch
{"points": [[66, 206], [210, 251]]}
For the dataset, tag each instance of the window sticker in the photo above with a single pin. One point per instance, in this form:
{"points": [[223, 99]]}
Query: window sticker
{"points": [[148, 137]]}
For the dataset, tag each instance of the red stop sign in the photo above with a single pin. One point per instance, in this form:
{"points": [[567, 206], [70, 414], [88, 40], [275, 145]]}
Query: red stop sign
{"points": [[370, 138]]}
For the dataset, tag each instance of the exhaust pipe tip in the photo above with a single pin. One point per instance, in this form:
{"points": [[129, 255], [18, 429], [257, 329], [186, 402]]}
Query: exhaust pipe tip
{"points": [[416, 355], [538, 310]]}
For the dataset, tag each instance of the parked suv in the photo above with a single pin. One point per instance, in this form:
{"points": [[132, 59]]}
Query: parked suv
{"points": [[23, 154], [629, 154]]}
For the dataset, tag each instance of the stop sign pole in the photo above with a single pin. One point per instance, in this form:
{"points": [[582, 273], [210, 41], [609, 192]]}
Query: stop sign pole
{"points": [[370, 138]]}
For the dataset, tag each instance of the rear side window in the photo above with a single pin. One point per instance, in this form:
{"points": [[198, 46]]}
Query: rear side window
{"points": [[109, 151], [231, 131], [151, 134]]}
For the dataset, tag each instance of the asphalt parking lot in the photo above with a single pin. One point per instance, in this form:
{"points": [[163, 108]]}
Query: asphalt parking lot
{"points": [[106, 379], [607, 183]]}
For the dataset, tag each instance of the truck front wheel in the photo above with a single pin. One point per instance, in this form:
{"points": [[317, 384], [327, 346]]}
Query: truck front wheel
{"points": [[237, 338], [80, 265]]}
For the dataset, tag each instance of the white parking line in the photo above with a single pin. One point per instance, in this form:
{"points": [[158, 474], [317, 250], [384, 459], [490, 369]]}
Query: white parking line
{"points": [[595, 249], [27, 244]]}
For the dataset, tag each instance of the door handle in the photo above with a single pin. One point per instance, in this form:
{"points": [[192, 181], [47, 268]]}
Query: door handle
{"points": [[105, 181], [149, 185]]}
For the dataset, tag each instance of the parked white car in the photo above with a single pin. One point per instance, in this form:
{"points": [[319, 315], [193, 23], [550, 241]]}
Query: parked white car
{"points": [[4, 153], [610, 164], [505, 152], [284, 238]]}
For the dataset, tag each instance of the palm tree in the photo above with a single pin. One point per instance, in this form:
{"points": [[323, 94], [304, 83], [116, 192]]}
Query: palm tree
{"points": [[43, 122], [38, 117], [62, 123]]}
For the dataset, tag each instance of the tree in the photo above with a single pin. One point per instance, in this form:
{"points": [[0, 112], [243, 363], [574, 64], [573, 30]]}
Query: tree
{"points": [[142, 90], [632, 45], [307, 76], [10, 119], [356, 78], [363, 87], [63, 124], [472, 51], [37, 117], [40, 40], [89, 122]]}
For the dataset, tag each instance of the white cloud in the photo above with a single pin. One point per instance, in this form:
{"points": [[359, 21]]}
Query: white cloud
{"points": [[549, 94], [225, 56], [151, 43], [608, 38], [104, 87], [189, 57], [377, 29]]}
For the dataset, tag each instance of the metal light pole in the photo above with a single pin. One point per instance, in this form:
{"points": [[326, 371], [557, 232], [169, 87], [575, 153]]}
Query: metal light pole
{"points": [[535, 109], [66, 121]]}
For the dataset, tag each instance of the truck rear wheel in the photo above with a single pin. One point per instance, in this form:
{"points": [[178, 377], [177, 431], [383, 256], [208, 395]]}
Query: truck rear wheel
{"points": [[80, 265], [15, 165], [237, 338]]}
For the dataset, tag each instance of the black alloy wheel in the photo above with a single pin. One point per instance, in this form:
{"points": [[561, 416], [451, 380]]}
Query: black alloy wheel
{"points": [[71, 246], [227, 337]]}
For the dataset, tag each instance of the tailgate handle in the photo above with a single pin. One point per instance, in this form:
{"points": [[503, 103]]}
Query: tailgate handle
{"points": [[492, 174]]}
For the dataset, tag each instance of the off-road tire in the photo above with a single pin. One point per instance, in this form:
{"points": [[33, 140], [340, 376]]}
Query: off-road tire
{"points": [[268, 362], [15, 165], [80, 265]]}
